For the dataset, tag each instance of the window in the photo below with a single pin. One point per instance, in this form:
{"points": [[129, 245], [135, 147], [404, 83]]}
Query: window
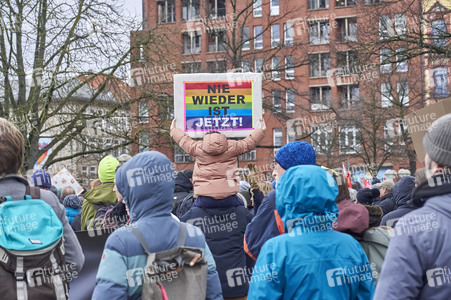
{"points": [[400, 24], [385, 27], [347, 30], [318, 4], [143, 113], [259, 65], [277, 139], [386, 95], [321, 138], [143, 142], [191, 67], [277, 101], [440, 75], [274, 7], [371, 2], [166, 11], [84, 171], [401, 58], [385, 61], [319, 64], [289, 67], [258, 37], [93, 170], [141, 54], [216, 8], [217, 66], [344, 3], [245, 66], [349, 95], [275, 66], [191, 42], [439, 32], [181, 157], [290, 100], [349, 139], [246, 39], [320, 97], [115, 152], [394, 130], [319, 32], [191, 9], [248, 156], [257, 8], [402, 88], [347, 62], [275, 35], [288, 34], [216, 41]]}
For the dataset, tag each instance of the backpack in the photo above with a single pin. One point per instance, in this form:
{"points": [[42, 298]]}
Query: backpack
{"points": [[32, 262], [178, 273]]}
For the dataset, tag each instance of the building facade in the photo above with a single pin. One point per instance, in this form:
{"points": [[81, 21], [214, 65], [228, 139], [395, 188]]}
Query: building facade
{"points": [[321, 83]]}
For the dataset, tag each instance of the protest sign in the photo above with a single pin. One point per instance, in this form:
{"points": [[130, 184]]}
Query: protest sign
{"points": [[230, 103], [64, 178], [420, 120]]}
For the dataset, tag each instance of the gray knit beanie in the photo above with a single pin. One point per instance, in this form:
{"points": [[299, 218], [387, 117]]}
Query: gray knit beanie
{"points": [[437, 141]]}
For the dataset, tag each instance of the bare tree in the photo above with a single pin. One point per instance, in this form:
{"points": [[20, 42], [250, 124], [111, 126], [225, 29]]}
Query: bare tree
{"points": [[51, 53]]}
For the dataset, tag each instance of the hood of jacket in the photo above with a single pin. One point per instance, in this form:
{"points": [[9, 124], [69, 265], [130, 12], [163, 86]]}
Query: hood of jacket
{"points": [[353, 218], [102, 194], [402, 191], [183, 183], [214, 144], [306, 197], [146, 182]]}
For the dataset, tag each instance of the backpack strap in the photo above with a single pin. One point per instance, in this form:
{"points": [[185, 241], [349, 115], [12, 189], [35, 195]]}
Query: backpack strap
{"points": [[182, 235], [33, 191], [180, 241], [20, 277], [140, 238]]}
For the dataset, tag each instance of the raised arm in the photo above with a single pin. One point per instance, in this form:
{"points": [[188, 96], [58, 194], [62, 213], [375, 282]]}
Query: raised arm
{"points": [[183, 140], [250, 142]]}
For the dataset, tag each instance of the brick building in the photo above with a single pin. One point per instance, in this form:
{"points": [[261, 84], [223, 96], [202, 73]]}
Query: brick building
{"points": [[319, 86]]}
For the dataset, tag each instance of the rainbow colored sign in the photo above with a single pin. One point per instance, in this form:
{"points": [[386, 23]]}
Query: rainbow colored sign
{"points": [[221, 105], [224, 103]]}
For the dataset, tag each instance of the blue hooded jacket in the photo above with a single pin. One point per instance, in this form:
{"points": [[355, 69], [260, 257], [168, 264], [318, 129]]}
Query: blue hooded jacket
{"points": [[311, 260], [147, 184]]}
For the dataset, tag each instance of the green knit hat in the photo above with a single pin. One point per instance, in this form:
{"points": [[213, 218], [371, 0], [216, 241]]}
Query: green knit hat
{"points": [[107, 169]]}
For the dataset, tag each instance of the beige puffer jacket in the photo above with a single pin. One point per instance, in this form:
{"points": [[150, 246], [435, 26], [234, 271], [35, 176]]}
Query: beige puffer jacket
{"points": [[215, 161]]}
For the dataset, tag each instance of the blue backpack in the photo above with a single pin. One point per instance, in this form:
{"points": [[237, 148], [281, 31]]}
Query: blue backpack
{"points": [[32, 263]]}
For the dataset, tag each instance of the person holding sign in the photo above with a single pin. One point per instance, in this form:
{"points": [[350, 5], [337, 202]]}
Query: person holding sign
{"points": [[214, 159], [217, 210]]}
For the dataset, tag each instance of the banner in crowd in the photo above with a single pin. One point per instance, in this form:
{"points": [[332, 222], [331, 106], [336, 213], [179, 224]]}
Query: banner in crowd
{"points": [[64, 178], [92, 243], [230, 103], [420, 120], [43, 158]]}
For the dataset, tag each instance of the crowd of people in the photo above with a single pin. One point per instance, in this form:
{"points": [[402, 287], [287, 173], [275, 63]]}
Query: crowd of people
{"points": [[307, 235]]}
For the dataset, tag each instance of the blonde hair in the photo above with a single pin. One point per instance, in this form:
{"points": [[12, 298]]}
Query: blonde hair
{"points": [[265, 187], [11, 148]]}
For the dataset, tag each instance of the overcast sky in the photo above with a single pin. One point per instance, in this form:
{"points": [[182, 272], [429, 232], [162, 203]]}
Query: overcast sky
{"points": [[134, 6]]}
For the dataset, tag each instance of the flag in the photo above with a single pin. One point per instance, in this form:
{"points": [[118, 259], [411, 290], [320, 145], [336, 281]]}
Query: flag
{"points": [[347, 176], [366, 184]]}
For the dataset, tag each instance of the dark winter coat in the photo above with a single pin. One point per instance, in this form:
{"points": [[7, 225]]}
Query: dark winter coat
{"points": [[402, 195], [265, 225], [183, 186], [386, 203], [223, 223]]}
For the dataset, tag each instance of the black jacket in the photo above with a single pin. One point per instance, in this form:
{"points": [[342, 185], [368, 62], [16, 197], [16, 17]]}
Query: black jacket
{"points": [[183, 186]]}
